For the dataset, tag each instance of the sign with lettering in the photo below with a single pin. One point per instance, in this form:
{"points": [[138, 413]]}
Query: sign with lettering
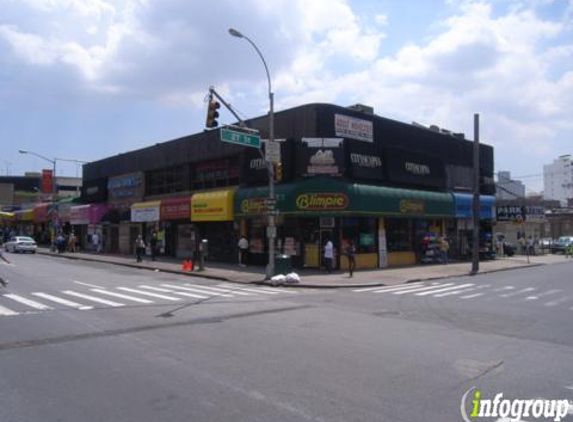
{"points": [[412, 206], [364, 161], [414, 168], [321, 156], [127, 188], [351, 127], [326, 201]]}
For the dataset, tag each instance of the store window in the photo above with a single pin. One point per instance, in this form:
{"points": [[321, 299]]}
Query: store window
{"points": [[362, 232], [398, 235], [215, 174], [162, 181]]}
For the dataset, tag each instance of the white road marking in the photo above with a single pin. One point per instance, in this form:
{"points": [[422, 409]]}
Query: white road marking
{"points": [[134, 299], [547, 293], [457, 292], [420, 289], [471, 296], [93, 298], [196, 296], [62, 301], [431, 292], [218, 290], [158, 296], [527, 289], [274, 289], [6, 311], [369, 289], [252, 290], [501, 289], [28, 302], [89, 285], [156, 289], [558, 301], [196, 291], [403, 287]]}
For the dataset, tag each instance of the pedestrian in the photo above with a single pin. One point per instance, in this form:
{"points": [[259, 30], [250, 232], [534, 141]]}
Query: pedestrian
{"points": [[523, 245], [243, 251], [139, 248], [72, 242], [444, 248], [531, 245], [95, 242], [153, 245], [60, 243], [569, 251], [350, 251], [328, 255], [3, 281]]}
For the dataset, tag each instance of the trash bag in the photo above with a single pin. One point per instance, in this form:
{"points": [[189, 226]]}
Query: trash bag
{"points": [[292, 278], [277, 280]]}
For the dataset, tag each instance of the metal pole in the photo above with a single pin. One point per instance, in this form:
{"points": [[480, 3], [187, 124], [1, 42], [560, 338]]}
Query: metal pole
{"points": [[475, 207], [272, 225]]}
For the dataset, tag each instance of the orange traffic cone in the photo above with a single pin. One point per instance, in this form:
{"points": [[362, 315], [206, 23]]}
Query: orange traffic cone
{"points": [[185, 265]]}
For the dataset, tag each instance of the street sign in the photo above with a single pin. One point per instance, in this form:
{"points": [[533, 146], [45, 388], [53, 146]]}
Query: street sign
{"points": [[272, 232], [273, 152], [240, 138], [268, 202], [272, 212]]}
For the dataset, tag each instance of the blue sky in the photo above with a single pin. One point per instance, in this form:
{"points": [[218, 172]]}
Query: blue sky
{"points": [[86, 79]]}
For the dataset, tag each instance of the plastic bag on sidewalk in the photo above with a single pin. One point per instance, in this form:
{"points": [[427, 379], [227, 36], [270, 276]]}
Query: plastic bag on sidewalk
{"points": [[277, 280], [292, 278]]}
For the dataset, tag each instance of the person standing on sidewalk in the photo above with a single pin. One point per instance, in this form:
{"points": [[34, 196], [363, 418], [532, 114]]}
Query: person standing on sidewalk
{"points": [[3, 281], [153, 245], [95, 242], [72, 242], [139, 248], [350, 251], [243, 251], [328, 255], [444, 248]]}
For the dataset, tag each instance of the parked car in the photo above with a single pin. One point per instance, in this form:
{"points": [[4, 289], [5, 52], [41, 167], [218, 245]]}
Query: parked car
{"points": [[21, 244], [560, 244]]}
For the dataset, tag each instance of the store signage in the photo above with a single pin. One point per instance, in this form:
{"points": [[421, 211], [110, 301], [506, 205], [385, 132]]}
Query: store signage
{"points": [[47, 181], [321, 156], [412, 206], [254, 206], [80, 215], [216, 170], [322, 201], [146, 214], [176, 209], [351, 127], [127, 187], [519, 212], [416, 168], [367, 161]]}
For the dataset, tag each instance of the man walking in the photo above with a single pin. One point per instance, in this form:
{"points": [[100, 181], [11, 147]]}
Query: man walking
{"points": [[139, 248], [328, 255], [153, 245], [243, 251], [444, 248], [349, 252]]}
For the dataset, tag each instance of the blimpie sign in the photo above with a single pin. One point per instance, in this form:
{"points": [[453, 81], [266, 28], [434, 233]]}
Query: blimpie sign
{"points": [[325, 201]]}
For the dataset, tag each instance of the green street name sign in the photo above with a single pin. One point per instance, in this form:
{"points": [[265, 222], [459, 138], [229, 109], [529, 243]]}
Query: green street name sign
{"points": [[240, 138]]}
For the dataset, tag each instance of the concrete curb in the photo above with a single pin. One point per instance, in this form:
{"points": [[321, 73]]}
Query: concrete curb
{"points": [[268, 283]]}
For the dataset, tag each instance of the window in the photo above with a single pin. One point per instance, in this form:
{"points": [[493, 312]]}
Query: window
{"points": [[215, 174], [362, 232], [398, 235], [162, 181]]}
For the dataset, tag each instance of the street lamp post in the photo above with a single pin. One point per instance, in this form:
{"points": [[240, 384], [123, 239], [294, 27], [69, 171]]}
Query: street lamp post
{"points": [[54, 188], [271, 218]]}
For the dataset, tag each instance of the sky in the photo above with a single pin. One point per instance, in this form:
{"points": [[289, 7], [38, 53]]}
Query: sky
{"points": [[87, 79]]}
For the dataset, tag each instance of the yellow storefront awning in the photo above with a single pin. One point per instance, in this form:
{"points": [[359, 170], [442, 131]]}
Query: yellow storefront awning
{"points": [[213, 205], [7, 215], [25, 215]]}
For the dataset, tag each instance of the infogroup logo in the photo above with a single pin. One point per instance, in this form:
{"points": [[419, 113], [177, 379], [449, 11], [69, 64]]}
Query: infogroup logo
{"points": [[514, 409]]}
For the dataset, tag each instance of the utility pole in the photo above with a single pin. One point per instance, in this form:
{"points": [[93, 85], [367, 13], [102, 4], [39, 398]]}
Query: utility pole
{"points": [[475, 205]]}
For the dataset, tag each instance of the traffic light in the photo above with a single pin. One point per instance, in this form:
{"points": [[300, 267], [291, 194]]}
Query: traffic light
{"points": [[278, 172], [212, 114]]}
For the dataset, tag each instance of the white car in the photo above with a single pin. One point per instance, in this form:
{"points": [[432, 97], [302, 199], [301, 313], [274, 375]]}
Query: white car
{"points": [[21, 244]]}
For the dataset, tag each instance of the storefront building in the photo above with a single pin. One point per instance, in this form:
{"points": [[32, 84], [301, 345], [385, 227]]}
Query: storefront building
{"points": [[344, 175]]}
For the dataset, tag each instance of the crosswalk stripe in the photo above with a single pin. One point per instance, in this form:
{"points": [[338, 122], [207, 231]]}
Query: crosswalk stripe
{"points": [[421, 289], [501, 289], [218, 290], [253, 290], [121, 296], [93, 298], [155, 289], [458, 292], [431, 292], [544, 294], [158, 296], [274, 289], [63, 301], [196, 291], [558, 301], [7, 312], [369, 289], [196, 296], [28, 302], [401, 287], [527, 289], [471, 296]]}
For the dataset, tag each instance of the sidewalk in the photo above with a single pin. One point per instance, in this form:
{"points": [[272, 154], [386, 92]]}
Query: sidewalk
{"points": [[313, 278]]}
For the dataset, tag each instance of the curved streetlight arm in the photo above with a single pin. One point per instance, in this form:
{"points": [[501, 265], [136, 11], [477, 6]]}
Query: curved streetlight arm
{"points": [[263, 59], [37, 155], [71, 160]]}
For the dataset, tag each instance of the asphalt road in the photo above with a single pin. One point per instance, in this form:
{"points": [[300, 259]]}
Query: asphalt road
{"points": [[84, 341]]}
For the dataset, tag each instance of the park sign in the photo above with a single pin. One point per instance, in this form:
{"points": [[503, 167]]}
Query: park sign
{"points": [[240, 138]]}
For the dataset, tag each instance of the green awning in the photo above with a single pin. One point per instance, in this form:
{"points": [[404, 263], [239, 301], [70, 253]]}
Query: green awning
{"points": [[331, 197]]}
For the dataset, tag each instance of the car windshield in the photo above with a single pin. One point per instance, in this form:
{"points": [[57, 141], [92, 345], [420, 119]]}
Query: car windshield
{"points": [[24, 239], [564, 239]]}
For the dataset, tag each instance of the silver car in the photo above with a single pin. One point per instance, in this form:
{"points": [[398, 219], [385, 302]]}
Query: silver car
{"points": [[21, 244]]}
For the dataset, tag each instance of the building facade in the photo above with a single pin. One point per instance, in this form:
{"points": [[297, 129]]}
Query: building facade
{"points": [[507, 188], [345, 175], [558, 180]]}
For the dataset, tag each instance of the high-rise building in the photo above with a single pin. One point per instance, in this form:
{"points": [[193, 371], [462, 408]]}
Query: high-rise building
{"points": [[508, 189], [558, 179]]}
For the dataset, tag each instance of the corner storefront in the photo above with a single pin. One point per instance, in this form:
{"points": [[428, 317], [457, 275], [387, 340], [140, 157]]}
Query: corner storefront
{"points": [[387, 225], [460, 240]]}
